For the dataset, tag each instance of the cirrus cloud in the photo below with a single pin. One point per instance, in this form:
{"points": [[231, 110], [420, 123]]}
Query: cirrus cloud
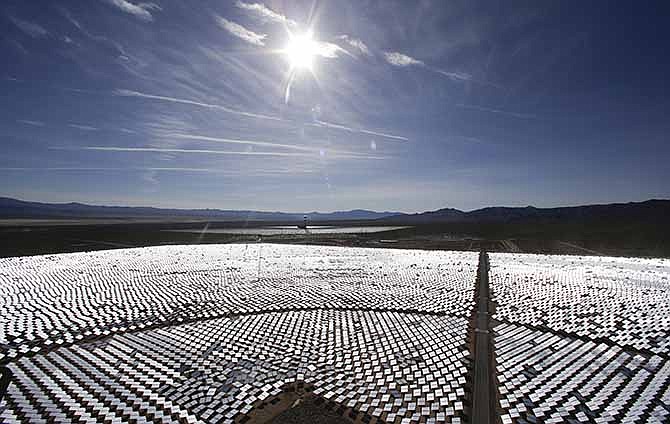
{"points": [[241, 32], [357, 44], [402, 60], [265, 13], [329, 50], [30, 28], [30, 122], [141, 10]]}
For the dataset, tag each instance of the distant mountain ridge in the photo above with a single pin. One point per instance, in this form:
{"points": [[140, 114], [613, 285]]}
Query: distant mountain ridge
{"points": [[14, 208], [649, 210]]}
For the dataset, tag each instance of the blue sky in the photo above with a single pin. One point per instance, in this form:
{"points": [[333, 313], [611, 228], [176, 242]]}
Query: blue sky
{"points": [[408, 105]]}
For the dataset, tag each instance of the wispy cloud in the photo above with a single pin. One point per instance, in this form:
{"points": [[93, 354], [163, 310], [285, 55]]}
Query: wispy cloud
{"points": [[29, 122], [244, 142], [83, 127], [71, 19], [318, 124], [150, 177], [98, 38], [227, 172], [468, 139], [496, 111], [357, 44], [402, 60], [260, 172], [262, 11], [192, 151], [140, 10], [329, 50], [312, 149], [30, 28], [322, 154], [241, 32], [385, 135], [324, 124], [456, 76], [463, 76], [130, 93]]}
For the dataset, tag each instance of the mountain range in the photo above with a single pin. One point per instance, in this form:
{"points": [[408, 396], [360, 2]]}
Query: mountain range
{"points": [[20, 209], [649, 210]]}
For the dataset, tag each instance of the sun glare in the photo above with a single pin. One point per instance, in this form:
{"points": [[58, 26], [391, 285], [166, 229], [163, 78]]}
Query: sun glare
{"points": [[301, 50]]}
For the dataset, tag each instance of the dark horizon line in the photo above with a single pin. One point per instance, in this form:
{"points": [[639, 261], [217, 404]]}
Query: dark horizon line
{"points": [[390, 213]]}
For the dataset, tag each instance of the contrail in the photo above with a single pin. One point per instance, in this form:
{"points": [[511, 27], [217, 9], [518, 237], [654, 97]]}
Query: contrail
{"points": [[236, 141], [162, 169], [323, 124], [83, 127], [397, 137], [491, 110], [324, 153], [459, 76], [197, 151], [29, 122], [130, 93], [256, 143]]}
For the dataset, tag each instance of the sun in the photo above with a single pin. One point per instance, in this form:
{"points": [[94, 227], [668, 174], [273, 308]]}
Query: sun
{"points": [[301, 50]]}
